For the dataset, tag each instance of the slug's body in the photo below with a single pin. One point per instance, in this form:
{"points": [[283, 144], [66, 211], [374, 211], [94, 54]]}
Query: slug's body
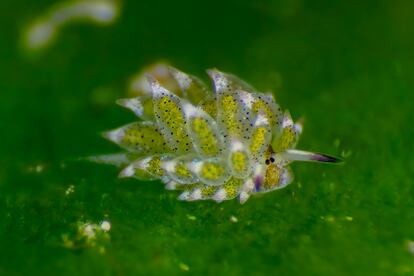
{"points": [[229, 143]]}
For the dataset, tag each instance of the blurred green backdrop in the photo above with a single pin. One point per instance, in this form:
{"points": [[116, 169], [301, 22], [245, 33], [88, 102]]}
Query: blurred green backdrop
{"points": [[346, 67]]}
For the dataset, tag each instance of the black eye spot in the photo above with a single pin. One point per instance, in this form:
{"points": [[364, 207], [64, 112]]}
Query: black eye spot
{"points": [[267, 162], [272, 159]]}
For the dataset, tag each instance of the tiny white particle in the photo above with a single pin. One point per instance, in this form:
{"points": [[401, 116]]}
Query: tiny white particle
{"points": [[70, 190], [105, 225], [329, 218], [184, 267], [89, 230], [349, 218], [233, 219], [39, 168]]}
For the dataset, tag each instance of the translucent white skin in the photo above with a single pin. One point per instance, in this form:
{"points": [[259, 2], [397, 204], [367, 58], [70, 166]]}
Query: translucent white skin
{"points": [[214, 163]]}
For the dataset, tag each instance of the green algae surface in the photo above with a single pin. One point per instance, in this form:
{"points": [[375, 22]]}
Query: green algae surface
{"points": [[345, 67]]}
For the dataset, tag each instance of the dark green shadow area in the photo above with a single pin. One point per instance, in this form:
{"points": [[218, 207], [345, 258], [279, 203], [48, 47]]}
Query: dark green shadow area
{"points": [[346, 67]]}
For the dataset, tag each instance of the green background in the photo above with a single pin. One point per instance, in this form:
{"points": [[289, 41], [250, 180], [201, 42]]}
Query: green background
{"points": [[346, 67]]}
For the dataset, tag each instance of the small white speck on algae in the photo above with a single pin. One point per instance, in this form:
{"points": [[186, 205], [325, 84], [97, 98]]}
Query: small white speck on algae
{"points": [[37, 168], [233, 219], [70, 190], [184, 267], [88, 235], [349, 218], [328, 218], [89, 231], [105, 225]]}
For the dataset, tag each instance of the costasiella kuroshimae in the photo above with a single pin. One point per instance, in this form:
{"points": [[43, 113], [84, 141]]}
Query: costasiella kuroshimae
{"points": [[231, 143]]}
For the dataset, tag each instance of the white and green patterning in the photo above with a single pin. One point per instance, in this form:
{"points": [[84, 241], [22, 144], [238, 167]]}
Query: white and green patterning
{"points": [[229, 143]]}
